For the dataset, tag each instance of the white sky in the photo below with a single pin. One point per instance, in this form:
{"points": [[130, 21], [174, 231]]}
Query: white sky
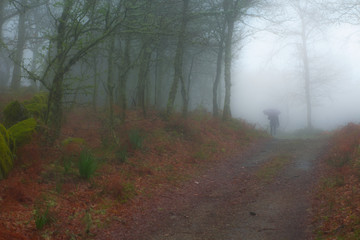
{"points": [[264, 77]]}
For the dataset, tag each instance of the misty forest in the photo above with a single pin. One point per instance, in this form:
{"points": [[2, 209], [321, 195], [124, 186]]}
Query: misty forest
{"points": [[179, 119]]}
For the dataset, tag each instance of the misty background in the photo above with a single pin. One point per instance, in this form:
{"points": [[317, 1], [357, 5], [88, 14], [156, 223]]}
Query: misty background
{"points": [[299, 57], [266, 76]]}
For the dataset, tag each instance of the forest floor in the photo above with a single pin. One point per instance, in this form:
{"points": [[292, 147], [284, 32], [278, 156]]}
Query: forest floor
{"points": [[194, 178], [143, 160], [264, 193]]}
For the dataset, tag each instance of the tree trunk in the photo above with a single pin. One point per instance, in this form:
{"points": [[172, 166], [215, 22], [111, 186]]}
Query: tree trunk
{"points": [[218, 73], [185, 90], [16, 77], [159, 73], [143, 77], [54, 114], [306, 78], [34, 60], [185, 97], [110, 83], [123, 75], [227, 71], [178, 62], [2, 6], [95, 89], [3, 80]]}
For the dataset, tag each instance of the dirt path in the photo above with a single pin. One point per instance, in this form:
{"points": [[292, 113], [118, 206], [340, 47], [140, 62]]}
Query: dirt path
{"points": [[231, 201]]}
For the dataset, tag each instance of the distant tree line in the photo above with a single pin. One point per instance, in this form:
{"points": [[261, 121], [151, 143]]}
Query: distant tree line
{"points": [[136, 53], [172, 55]]}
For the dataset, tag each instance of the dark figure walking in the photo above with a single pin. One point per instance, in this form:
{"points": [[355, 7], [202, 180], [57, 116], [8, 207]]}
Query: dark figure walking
{"points": [[274, 124], [273, 116]]}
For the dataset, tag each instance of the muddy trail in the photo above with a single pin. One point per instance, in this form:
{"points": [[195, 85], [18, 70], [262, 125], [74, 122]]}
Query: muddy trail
{"points": [[263, 194]]}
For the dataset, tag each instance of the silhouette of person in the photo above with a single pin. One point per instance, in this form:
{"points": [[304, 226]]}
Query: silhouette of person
{"points": [[274, 123], [273, 116]]}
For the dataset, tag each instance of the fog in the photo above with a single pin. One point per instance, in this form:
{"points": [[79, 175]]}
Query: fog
{"points": [[266, 75], [294, 56]]}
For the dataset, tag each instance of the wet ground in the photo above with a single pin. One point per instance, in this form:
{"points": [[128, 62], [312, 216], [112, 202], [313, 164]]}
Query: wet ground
{"points": [[231, 201]]}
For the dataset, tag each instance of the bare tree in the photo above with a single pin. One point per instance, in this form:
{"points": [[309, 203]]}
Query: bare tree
{"points": [[234, 11], [341, 11], [78, 29], [20, 45], [301, 23], [178, 62], [22, 9], [7, 12]]}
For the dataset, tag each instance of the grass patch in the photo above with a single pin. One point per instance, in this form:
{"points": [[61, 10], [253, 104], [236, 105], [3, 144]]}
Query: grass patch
{"points": [[206, 150], [333, 181], [87, 164], [41, 218], [272, 168], [42, 214], [202, 154], [338, 161], [87, 221], [185, 129], [136, 139], [128, 192], [336, 206]]}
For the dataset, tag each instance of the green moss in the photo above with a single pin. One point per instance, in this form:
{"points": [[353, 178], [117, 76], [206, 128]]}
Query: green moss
{"points": [[6, 156], [4, 133], [22, 131], [16, 135], [14, 112], [37, 106]]}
